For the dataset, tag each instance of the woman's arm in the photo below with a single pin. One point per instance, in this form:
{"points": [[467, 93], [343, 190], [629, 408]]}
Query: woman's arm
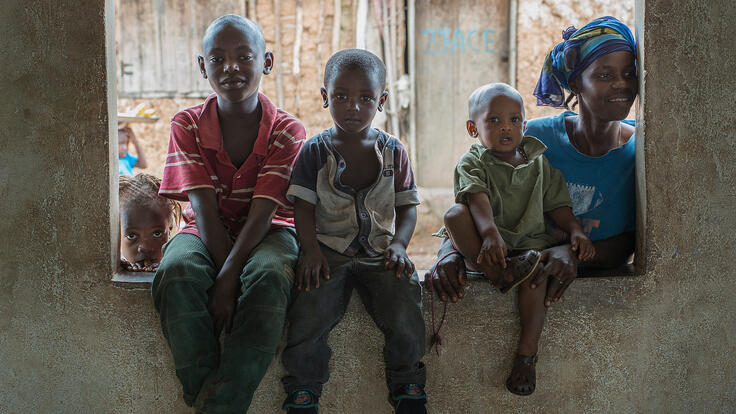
{"points": [[560, 264], [613, 252]]}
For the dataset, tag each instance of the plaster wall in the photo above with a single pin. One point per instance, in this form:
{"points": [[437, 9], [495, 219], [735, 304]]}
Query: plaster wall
{"points": [[73, 342]]}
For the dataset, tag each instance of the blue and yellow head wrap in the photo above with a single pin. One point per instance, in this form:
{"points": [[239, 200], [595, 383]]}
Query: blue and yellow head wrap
{"points": [[577, 51]]}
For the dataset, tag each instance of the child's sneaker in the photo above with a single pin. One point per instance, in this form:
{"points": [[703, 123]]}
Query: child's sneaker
{"points": [[301, 402], [409, 399]]}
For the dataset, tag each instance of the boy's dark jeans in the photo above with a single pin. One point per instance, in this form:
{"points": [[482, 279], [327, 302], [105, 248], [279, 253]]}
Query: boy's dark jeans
{"points": [[394, 304], [214, 381]]}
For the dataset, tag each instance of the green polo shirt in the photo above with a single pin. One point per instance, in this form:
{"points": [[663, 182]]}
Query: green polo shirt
{"points": [[519, 195]]}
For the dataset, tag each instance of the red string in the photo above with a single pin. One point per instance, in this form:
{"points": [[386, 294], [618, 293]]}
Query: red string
{"points": [[436, 339]]}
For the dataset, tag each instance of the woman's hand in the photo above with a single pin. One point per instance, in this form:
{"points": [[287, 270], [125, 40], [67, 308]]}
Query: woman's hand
{"points": [[559, 268], [449, 276]]}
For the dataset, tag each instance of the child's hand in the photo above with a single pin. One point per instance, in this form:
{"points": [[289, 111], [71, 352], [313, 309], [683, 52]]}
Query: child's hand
{"points": [[311, 266], [138, 266], [222, 300], [493, 251], [582, 245], [395, 257]]}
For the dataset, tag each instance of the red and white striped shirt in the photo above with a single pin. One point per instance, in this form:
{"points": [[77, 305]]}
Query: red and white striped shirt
{"points": [[197, 159]]}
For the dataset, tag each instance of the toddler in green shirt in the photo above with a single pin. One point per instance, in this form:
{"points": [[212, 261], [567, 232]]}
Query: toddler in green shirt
{"points": [[505, 187]]}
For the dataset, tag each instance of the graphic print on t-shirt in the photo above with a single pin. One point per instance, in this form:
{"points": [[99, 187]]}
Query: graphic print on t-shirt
{"points": [[584, 198]]}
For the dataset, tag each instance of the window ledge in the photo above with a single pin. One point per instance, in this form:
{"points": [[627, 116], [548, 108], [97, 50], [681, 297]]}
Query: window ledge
{"points": [[133, 280], [143, 280], [625, 270]]}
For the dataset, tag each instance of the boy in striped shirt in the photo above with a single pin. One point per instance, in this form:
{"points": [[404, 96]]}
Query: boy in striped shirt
{"points": [[230, 268]]}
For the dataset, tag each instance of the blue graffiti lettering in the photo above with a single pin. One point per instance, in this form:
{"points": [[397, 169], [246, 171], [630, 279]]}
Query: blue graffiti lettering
{"points": [[454, 42], [488, 41], [469, 41], [458, 42]]}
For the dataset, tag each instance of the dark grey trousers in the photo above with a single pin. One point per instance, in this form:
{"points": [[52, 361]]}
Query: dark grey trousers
{"points": [[394, 304]]}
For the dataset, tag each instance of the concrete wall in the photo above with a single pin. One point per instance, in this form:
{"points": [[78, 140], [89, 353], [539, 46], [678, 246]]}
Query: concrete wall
{"points": [[71, 342]]}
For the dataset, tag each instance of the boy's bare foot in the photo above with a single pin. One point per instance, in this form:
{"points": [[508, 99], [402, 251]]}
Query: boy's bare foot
{"points": [[523, 377]]}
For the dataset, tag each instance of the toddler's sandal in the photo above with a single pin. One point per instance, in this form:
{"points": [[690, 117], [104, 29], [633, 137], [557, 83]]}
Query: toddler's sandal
{"points": [[521, 267], [523, 377]]}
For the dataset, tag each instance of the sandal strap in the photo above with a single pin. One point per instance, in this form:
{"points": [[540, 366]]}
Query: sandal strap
{"points": [[526, 360]]}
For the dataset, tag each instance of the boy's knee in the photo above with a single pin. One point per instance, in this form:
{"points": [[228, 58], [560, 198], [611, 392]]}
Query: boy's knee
{"points": [[455, 213], [272, 287]]}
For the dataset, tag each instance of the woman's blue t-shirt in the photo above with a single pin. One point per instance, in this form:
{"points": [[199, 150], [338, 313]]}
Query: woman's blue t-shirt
{"points": [[601, 188]]}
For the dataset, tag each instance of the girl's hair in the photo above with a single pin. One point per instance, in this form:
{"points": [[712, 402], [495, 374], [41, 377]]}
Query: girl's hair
{"points": [[143, 190]]}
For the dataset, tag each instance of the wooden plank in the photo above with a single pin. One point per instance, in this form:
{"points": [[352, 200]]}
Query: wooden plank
{"points": [[460, 46], [138, 119]]}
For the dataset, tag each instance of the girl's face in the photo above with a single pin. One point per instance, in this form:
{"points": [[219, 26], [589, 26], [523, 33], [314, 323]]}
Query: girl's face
{"points": [[608, 86], [143, 230]]}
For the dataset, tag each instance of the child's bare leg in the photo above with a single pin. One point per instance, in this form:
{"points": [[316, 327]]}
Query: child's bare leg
{"points": [[523, 377], [464, 236], [532, 312]]}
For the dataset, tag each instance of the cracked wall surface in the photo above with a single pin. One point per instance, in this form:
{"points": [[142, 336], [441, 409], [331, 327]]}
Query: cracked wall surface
{"points": [[71, 342]]}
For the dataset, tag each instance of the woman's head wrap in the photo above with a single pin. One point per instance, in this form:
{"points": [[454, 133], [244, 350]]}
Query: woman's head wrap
{"points": [[577, 51]]}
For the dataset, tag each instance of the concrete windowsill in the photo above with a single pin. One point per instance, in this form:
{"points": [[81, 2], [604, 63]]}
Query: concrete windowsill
{"points": [[132, 280], [137, 280]]}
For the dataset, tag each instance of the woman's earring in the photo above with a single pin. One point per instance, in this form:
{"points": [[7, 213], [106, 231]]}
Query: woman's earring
{"points": [[380, 108], [204, 75], [325, 104]]}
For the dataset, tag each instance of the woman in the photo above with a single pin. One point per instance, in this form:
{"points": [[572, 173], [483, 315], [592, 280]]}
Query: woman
{"points": [[594, 150]]}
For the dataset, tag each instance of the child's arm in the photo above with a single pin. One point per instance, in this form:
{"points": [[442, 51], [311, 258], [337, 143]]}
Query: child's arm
{"points": [[312, 263], [566, 221], [269, 192], [395, 255], [224, 293], [211, 230], [493, 249], [141, 163]]}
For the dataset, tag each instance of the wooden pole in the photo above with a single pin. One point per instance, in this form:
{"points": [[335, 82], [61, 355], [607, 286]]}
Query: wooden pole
{"points": [[296, 55], [320, 28], [411, 39], [513, 20], [361, 23], [279, 76], [391, 107], [297, 37], [252, 10], [395, 38], [336, 22]]}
